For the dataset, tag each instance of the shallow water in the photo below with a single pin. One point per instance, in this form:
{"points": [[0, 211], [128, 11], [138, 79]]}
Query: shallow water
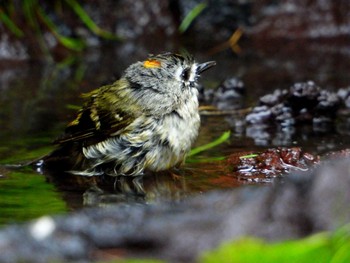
{"points": [[38, 99]]}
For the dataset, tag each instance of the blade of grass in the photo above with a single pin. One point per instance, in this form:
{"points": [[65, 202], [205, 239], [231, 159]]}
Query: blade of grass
{"points": [[28, 8], [71, 43], [85, 18], [252, 155], [224, 137], [195, 12], [205, 160], [10, 24]]}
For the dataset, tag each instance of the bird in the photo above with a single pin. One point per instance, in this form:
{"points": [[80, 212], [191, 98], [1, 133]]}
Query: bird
{"points": [[145, 121]]}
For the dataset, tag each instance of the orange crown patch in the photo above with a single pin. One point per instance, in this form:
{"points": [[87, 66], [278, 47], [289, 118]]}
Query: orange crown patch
{"points": [[151, 63]]}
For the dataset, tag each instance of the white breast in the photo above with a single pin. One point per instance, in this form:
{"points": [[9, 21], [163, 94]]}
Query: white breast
{"points": [[179, 129]]}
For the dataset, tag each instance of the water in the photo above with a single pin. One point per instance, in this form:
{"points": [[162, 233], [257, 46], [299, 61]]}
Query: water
{"points": [[38, 99]]}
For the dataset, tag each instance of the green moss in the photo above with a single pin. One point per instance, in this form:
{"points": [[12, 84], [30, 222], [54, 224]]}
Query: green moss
{"points": [[323, 247]]}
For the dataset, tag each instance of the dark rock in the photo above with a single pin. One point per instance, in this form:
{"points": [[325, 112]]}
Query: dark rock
{"points": [[259, 115], [271, 163], [343, 94], [233, 85], [229, 94], [328, 103], [303, 95], [347, 102], [305, 102], [274, 98], [283, 115]]}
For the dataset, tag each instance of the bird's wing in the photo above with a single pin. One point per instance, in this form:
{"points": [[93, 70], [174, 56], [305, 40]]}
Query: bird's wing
{"points": [[103, 114]]}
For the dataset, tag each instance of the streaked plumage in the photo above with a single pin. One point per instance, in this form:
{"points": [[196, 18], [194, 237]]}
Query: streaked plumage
{"points": [[148, 119]]}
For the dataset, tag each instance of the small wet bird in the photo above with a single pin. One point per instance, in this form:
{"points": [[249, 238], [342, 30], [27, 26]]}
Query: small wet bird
{"points": [[146, 120]]}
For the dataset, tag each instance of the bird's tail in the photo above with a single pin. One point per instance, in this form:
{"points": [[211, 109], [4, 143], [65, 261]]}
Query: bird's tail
{"points": [[65, 158]]}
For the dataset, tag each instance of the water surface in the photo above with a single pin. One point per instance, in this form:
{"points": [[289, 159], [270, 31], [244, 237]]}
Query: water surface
{"points": [[38, 99]]}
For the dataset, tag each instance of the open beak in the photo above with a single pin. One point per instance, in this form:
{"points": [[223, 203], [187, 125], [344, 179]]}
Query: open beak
{"points": [[204, 66]]}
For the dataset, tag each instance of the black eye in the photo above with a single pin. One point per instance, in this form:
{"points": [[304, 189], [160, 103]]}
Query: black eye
{"points": [[185, 75]]}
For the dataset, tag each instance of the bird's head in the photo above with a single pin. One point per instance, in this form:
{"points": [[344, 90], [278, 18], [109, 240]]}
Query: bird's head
{"points": [[166, 78], [158, 71]]}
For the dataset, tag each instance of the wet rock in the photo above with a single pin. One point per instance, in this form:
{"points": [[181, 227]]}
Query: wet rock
{"points": [[303, 110], [347, 102], [274, 98], [229, 95], [283, 115], [303, 95], [270, 163], [304, 102], [259, 115], [344, 95], [327, 101]]}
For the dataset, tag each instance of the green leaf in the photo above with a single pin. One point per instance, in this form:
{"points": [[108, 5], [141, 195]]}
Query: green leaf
{"points": [[224, 137], [195, 12]]}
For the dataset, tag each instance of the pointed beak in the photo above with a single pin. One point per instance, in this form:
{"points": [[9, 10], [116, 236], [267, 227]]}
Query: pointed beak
{"points": [[204, 66]]}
